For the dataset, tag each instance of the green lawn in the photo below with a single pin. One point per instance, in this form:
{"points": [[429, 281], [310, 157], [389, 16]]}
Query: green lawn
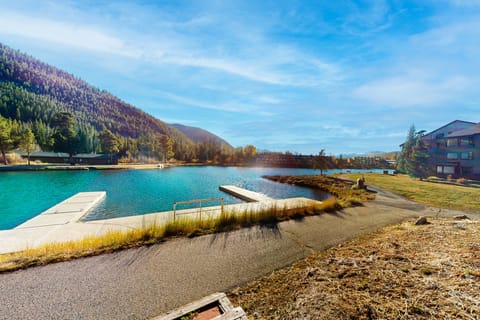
{"points": [[432, 194]]}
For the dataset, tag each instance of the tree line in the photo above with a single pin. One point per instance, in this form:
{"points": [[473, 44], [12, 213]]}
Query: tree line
{"points": [[65, 134]]}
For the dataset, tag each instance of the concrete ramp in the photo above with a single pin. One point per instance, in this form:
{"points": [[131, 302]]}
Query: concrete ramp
{"points": [[243, 194], [67, 211]]}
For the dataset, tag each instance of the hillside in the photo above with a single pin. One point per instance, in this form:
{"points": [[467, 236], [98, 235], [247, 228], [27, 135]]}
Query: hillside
{"points": [[199, 135], [32, 92]]}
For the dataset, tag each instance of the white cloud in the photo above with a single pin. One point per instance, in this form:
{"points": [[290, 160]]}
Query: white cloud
{"points": [[410, 91], [187, 122], [67, 34], [449, 37], [239, 50], [466, 3], [196, 103], [239, 68]]}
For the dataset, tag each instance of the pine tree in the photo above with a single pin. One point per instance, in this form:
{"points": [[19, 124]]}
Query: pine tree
{"points": [[420, 167], [65, 135], [27, 142], [6, 140], [108, 142], [413, 158], [404, 160]]}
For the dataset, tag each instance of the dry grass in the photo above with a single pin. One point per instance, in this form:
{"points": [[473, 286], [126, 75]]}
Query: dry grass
{"points": [[88, 246], [432, 194], [400, 272], [118, 240], [339, 188], [228, 220]]}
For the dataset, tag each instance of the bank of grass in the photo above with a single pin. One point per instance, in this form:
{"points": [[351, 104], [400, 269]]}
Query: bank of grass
{"points": [[438, 195], [400, 272], [155, 233], [340, 188]]}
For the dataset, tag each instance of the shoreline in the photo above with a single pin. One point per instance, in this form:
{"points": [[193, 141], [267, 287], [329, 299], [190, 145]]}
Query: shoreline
{"points": [[138, 166], [56, 167]]}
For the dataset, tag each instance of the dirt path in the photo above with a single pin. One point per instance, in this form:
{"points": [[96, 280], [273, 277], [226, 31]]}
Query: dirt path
{"points": [[144, 282]]}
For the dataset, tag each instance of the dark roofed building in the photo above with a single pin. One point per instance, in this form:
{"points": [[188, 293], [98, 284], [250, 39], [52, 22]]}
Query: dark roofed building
{"points": [[470, 131], [81, 158], [454, 149]]}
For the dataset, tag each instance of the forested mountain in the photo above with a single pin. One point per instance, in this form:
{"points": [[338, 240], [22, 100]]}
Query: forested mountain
{"points": [[199, 135], [32, 92]]}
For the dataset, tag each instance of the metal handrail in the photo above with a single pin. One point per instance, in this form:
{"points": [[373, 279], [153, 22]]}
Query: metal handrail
{"points": [[200, 201]]}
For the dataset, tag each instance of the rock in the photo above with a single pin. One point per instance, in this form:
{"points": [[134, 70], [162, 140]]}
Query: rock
{"points": [[421, 221], [461, 217]]}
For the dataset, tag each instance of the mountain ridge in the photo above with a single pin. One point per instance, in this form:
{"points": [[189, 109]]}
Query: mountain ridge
{"points": [[199, 135], [33, 91]]}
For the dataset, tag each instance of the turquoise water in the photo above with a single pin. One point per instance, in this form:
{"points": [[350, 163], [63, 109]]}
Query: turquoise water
{"points": [[130, 192]]}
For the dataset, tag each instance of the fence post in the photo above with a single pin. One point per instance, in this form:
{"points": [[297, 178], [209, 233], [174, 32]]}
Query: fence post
{"points": [[200, 201], [174, 211], [200, 211]]}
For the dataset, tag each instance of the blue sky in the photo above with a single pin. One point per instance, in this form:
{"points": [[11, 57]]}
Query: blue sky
{"points": [[299, 76]]}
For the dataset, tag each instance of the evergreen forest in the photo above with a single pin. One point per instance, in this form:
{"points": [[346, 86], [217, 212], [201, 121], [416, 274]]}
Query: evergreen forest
{"points": [[33, 94]]}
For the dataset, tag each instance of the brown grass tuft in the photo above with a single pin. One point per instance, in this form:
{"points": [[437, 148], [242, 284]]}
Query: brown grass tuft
{"points": [[399, 272]]}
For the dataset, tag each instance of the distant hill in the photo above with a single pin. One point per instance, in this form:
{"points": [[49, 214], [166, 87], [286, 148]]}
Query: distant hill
{"points": [[33, 91], [199, 135], [380, 154]]}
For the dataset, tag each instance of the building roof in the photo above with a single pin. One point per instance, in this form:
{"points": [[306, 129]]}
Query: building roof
{"points": [[468, 122], [65, 155], [47, 154], [475, 129]]}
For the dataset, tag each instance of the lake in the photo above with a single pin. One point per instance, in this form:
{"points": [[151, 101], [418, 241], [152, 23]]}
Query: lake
{"points": [[131, 192]]}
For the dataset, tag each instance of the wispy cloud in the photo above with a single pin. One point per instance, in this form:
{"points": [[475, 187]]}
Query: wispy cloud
{"points": [[67, 34], [411, 92], [362, 22], [258, 60], [337, 74], [195, 103], [466, 3]]}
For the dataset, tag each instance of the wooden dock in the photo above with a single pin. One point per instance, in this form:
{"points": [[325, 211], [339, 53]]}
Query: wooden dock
{"points": [[243, 194]]}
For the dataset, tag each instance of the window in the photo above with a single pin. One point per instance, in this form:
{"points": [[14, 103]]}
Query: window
{"points": [[467, 170], [452, 142], [445, 169], [452, 156], [448, 170], [440, 136], [466, 142], [466, 155]]}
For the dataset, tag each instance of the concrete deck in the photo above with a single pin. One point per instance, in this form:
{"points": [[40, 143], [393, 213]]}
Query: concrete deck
{"points": [[246, 195], [67, 211], [63, 222]]}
